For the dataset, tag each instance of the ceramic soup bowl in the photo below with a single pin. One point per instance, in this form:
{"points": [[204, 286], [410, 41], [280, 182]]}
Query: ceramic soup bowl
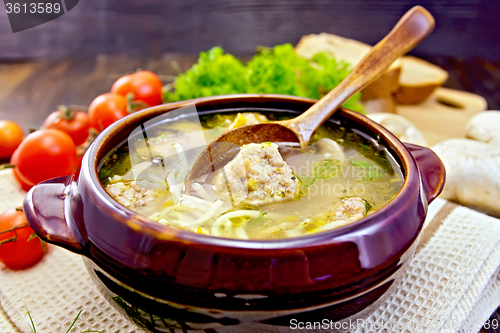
{"points": [[165, 278]]}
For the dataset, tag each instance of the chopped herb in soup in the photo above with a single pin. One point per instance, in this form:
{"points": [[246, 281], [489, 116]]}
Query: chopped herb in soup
{"points": [[267, 191]]}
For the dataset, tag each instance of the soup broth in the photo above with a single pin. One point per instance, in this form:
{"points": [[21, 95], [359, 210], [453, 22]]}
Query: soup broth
{"points": [[267, 191]]}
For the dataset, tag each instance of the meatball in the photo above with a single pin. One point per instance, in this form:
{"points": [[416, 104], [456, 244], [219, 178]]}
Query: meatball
{"points": [[257, 175], [131, 195], [351, 209]]}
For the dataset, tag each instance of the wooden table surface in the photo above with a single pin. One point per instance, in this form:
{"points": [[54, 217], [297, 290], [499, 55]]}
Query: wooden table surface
{"points": [[30, 91]]}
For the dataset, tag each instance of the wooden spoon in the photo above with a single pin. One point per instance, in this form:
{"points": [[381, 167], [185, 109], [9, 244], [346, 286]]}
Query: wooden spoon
{"points": [[411, 29]]}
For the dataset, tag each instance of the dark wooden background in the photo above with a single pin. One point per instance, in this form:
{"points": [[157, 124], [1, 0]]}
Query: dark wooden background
{"points": [[74, 57], [464, 28]]}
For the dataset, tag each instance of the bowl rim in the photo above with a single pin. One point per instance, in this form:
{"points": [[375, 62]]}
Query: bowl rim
{"points": [[168, 233]]}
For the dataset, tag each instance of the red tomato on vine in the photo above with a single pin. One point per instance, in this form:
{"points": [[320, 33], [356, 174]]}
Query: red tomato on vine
{"points": [[145, 86], [44, 154], [72, 122], [11, 136], [107, 108], [20, 248]]}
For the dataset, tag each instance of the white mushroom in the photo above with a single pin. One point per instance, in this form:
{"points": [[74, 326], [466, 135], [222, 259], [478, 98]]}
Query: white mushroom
{"points": [[329, 149], [471, 173], [484, 127], [398, 125]]}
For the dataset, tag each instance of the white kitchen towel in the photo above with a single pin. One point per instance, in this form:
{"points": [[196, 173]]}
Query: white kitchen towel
{"points": [[452, 284]]}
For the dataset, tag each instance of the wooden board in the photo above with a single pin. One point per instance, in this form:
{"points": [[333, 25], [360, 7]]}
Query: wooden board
{"points": [[150, 27], [444, 114]]}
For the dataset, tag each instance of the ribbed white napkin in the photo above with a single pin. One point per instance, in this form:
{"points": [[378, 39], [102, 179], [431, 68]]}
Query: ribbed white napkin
{"points": [[452, 284]]}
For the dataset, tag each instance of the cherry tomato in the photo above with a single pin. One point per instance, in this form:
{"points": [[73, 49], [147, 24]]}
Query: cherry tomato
{"points": [[11, 136], [24, 185], [14, 160], [106, 109], [44, 154], [75, 123], [20, 248], [145, 86]]}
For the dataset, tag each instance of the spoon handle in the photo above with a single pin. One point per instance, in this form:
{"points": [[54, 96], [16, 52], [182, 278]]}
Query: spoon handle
{"points": [[411, 29]]}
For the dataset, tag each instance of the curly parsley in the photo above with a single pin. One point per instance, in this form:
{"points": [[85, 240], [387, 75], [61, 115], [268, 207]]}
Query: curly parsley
{"points": [[277, 70]]}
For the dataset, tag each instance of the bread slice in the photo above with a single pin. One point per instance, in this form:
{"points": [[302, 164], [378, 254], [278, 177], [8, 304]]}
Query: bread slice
{"points": [[418, 80], [351, 51], [409, 80]]}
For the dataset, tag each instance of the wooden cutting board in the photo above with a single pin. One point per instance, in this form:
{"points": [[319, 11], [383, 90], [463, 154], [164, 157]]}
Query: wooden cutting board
{"points": [[444, 114]]}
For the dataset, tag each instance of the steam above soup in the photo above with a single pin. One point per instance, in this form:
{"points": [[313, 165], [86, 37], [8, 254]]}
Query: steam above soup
{"points": [[266, 191]]}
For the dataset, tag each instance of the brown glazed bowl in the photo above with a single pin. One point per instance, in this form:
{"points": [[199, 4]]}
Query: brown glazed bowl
{"points": [[166, 278]]}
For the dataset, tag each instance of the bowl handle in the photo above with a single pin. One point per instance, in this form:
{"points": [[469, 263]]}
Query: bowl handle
{"points": [[53, 209], [431, 169]]}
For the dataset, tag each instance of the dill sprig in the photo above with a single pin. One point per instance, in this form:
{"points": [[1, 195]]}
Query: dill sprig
{"points": [[33, 329]]}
